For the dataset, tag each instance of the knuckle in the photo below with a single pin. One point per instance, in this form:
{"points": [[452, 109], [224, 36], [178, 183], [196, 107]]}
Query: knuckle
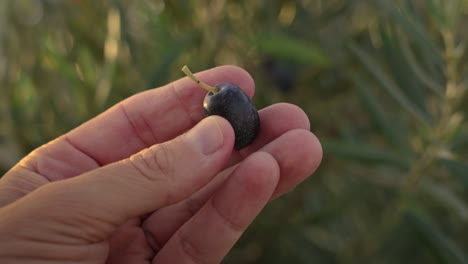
{"points": [[189, 248], [155, 163], [231, 225]]}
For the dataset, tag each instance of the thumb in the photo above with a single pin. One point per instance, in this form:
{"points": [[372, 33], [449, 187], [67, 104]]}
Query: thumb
{"points": [[160, 175]]}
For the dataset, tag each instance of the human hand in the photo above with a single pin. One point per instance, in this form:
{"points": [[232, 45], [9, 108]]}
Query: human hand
{"points": [[152, 181]]}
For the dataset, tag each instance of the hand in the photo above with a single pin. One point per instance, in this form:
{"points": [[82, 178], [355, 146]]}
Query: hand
{"points": [[151, 181]]}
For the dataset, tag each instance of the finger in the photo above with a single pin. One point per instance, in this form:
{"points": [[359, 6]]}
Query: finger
{"points": [[298, 153], [145, 119], [212, 232], [275, 121], [94, 204]]}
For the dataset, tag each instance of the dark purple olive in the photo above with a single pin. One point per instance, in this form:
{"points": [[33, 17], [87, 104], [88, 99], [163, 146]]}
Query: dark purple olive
{"points": [[232, 103], [235, 106]]}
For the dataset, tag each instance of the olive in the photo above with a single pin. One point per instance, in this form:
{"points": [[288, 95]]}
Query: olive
{"points": [[232, 103]]}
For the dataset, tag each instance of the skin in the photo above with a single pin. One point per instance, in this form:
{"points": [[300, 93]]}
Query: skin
{"points": [[149, 181]]}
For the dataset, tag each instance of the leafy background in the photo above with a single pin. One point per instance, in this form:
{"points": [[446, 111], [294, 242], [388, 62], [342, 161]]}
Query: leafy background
{"points": [[383, 82]]}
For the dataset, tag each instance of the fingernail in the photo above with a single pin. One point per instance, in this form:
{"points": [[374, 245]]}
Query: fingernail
{"points": [[207, 136]]}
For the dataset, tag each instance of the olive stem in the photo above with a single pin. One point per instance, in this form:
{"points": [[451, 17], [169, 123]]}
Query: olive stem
{"points": [[205, 86]]}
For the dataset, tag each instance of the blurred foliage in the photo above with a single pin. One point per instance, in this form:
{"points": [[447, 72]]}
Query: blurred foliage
{"points": [[384, 83]]}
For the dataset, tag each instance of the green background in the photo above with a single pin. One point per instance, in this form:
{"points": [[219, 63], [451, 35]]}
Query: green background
{"points": [[383, 83]]}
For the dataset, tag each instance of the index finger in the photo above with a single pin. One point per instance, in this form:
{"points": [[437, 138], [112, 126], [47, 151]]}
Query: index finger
{"points": [[145, 119]]}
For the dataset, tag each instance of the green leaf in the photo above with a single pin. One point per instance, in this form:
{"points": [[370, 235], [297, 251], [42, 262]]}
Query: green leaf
{"points": [[458, 168], [418, 71], [364, 153], [375, 110], [413, 27], [88, 66], [59, 62], [434, 10], [374, 68], [446, 198], [290, 49], [401, 73], [161, 72], [443, 246], [417, 32]]}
